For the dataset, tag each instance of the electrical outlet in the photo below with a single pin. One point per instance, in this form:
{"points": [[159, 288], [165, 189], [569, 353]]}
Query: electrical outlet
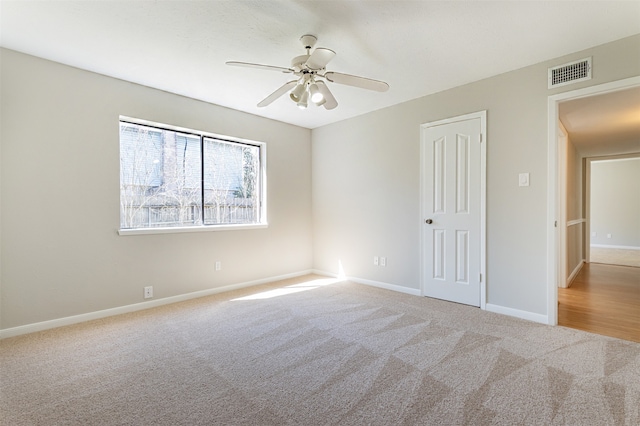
{"points": [[218, 266], [594, 234], [375, 260], [608, 235], [148, 292], [383, 261]]}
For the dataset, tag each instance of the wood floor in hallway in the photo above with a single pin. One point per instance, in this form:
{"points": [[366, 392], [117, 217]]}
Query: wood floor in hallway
{"points": [[603, 299]]}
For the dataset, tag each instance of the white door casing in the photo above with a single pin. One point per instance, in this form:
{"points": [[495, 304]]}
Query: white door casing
{"points": [[555, 169], [453, 176]]}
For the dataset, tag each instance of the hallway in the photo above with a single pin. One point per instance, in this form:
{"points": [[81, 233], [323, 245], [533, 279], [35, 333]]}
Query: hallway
{"points": [[603, 299]]}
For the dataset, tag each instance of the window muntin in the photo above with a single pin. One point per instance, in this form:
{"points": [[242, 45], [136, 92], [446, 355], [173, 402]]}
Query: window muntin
{"points": [[172, 178]]}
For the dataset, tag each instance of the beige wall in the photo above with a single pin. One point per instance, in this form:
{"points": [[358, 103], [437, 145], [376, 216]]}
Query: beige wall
{"points": [[574, 182], [366, 179], [60, 149], [615, 202]]}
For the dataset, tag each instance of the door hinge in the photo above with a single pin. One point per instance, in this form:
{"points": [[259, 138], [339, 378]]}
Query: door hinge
{"points": [[480, 277], [555, 224], [480, 137]]}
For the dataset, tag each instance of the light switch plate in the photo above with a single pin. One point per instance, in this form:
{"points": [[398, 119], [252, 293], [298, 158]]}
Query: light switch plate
{"points": [[523, 179]]}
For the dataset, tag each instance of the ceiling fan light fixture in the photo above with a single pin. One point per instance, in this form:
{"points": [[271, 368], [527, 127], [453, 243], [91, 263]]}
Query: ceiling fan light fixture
{"points": [[298, 91], [316, 96], [302, 103]]}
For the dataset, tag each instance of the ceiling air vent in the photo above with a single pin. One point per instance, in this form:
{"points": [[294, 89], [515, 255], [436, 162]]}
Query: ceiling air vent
{"points": [[570, 73]]}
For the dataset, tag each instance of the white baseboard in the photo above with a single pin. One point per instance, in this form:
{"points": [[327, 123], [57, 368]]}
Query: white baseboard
{"points": [[393, 287], [517, 313], [386, 286], [575, 272], [615, 247], [75, 319]]}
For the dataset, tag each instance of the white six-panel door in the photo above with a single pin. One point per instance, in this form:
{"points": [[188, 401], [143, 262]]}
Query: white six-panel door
{"points": [[452, 200]]}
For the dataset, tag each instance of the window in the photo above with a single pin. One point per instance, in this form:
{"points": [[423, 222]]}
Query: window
{"points": [[178, 178]]}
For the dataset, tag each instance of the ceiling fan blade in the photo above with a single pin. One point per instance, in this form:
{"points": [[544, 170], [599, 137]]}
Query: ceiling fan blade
{"points": [[259, 66], [331, 102], [320, 58], [353, 80], [279, 92]]}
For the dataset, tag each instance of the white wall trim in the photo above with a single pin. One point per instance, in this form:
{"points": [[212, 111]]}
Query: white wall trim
{"points": [[199, 228], [554, 213], [615, 247], [575, 273], [561, 234], [530, 316], [386, 286], [60, 322], [379, 284]]}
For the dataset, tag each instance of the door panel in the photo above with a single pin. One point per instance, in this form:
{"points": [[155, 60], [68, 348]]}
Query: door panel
{"points": [[462, 257], [462, 172], [452, 201]]}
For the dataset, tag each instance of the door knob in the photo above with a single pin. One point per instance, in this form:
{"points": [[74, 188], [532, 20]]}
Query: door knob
{"points": [[429, 221]]}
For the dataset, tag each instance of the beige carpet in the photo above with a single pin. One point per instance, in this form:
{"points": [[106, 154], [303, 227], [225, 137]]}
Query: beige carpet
{"points": [[613, 256], [312, 352]]}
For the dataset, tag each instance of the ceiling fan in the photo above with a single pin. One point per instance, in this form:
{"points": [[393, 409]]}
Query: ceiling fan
{"points": [[310, 70]]}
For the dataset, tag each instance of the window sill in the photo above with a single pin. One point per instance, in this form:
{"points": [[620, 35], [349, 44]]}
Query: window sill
{"points": [[183, 229]]}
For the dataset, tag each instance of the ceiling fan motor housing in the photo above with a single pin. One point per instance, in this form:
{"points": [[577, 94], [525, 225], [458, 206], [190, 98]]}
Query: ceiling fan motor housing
{"points": [[308, 41]]}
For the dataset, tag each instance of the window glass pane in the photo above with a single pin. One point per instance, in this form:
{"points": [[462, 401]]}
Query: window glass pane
{"points": [[160, 178], [231, 182], [166, 181]]}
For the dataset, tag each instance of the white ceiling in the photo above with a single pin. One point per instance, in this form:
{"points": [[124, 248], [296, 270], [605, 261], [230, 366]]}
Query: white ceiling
{"points": [[605, 124], [418, 47]]}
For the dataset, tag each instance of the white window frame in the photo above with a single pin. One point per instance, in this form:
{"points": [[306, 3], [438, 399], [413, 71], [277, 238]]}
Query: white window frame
{"points": [[263, 223]]}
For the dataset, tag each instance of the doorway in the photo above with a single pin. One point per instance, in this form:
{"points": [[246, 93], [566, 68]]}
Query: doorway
{"points": [[557, 204], [613, 203], [453, 200]]}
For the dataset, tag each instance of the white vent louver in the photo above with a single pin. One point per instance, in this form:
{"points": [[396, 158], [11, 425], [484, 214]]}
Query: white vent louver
{"points": [[570, 73]]}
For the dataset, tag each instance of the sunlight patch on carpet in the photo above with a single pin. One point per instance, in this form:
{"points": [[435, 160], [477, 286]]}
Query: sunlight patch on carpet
{"points": [[296, 288]]}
